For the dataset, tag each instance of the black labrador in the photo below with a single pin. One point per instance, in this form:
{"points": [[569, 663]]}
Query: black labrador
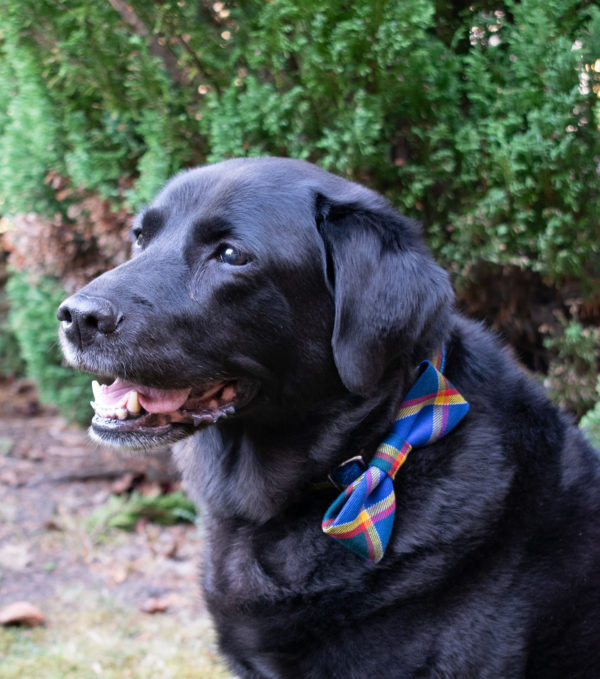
{"points": [[277, 313]]}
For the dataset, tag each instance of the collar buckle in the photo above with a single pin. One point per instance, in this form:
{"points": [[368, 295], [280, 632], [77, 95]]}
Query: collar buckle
{"points": [[347, 472]]}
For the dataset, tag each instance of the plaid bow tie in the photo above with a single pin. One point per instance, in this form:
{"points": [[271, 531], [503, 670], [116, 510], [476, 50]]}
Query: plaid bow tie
{"points": [[363, 515]]}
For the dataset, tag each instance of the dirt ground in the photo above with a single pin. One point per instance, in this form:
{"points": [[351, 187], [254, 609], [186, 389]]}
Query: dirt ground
{"points": [[52, 483]]}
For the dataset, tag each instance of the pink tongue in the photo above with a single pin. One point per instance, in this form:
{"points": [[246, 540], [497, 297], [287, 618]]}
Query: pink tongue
{"points": [[152, 400], [163, 400]]}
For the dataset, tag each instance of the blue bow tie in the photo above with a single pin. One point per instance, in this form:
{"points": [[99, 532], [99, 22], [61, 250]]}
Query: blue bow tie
{"points": [[362, 516]]}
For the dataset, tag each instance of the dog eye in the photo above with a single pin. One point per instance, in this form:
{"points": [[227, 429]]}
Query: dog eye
{"points": [[138, 237], [230, 255]]}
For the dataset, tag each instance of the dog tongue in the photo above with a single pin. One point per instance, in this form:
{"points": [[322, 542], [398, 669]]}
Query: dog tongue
{"points": [[162, 400], [153, 400]]}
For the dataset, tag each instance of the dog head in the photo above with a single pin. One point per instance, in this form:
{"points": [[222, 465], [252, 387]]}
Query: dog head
{"points": [[253, 283]]}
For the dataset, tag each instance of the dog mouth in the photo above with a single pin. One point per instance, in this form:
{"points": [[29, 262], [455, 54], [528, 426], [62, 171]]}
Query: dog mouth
{"points": [[137, 416]]}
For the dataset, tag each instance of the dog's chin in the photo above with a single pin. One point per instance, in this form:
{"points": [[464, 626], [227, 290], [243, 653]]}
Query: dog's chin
{"points": [[109, 432]]}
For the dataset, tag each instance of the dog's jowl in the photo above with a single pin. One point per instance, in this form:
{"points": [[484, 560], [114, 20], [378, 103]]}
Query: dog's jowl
{"points": [[385, 492]]}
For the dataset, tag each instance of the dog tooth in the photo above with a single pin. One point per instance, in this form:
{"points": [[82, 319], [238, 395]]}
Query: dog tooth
{"points": [[96, 388], [121, 413], [133, 403]]}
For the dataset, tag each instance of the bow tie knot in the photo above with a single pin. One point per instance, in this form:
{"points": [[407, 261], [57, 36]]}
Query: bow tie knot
{"points": [[362, 516]]}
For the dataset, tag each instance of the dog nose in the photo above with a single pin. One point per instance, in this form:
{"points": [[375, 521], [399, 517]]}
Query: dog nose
{"points": [[83, 318]]}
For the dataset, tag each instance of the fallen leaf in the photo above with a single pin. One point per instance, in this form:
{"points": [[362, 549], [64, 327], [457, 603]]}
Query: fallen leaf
{"points": [[123, 484], [155, 605], [118, 574], [21, 613], [9, 478], [52, 524]]}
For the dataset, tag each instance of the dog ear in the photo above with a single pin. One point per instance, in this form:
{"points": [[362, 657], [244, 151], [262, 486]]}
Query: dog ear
{"points": [[392, 301]]}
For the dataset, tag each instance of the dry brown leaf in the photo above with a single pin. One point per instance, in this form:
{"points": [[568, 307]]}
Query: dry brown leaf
{"points": [[155, 605], [123, 483], [10, 478], [21, 613], [118, 574]]}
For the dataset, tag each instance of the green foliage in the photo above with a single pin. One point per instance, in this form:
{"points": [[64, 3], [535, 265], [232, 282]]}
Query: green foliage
{"points": [[11, 361], [532, 139], [590, 422], [125, 511], [88, 101], [481, 122], [29, 144], [572, 374], [155, 166], [490, 137], [97, 156], [32, 318]]}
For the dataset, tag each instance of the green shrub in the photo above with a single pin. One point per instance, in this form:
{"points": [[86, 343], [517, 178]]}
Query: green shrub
{"points": [[125, 511], [30, 138], [32, 318], [485, 128], [11, 361], [571, 377], [482, 122], [88, 101], [590, 422]]}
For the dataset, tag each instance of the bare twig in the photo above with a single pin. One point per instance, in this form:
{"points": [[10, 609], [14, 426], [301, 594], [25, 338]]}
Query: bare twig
{"points": [[93, 473]]}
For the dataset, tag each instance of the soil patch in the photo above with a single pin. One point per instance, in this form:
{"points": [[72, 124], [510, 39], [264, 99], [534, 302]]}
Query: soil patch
{"points": [[53, 481]]}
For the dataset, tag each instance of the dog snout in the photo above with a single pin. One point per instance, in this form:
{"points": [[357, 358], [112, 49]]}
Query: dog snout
{"points": [[85, 318]]}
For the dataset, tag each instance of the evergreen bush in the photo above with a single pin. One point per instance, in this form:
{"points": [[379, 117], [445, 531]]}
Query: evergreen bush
{"points": [[590, 422], [32, 318], [11, 360], [571, 378], [479, 119]]}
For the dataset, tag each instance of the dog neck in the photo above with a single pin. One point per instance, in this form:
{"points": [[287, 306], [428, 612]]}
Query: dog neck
{"points": [[254, 470]]}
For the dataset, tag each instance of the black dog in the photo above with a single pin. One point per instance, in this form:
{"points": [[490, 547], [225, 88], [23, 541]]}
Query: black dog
{"points": [[290, 309]]}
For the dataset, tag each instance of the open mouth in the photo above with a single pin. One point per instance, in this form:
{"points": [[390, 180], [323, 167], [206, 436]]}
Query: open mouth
{"points": [[136, 416]]}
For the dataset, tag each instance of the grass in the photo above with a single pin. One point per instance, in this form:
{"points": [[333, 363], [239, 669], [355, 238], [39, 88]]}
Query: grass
{"points": [[103, 640], [124, 511]]}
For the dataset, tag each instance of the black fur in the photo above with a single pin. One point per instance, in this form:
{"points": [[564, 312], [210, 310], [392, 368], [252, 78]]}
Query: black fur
{"points": [[493, 569]]}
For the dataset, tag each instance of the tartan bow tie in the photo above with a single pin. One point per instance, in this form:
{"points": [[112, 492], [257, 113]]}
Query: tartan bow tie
{"points": [[362, 516]]}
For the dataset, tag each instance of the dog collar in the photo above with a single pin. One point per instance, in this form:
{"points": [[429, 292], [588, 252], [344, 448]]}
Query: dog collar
{"points": [[362, 516]]}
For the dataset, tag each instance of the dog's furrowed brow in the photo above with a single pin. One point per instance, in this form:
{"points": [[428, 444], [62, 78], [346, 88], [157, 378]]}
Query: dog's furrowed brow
{"points": [[152, 221], [211, 230]]}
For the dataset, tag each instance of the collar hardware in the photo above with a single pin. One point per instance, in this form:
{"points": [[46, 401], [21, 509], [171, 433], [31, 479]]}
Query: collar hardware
{"points": [[344, 474], [362, 516]]}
